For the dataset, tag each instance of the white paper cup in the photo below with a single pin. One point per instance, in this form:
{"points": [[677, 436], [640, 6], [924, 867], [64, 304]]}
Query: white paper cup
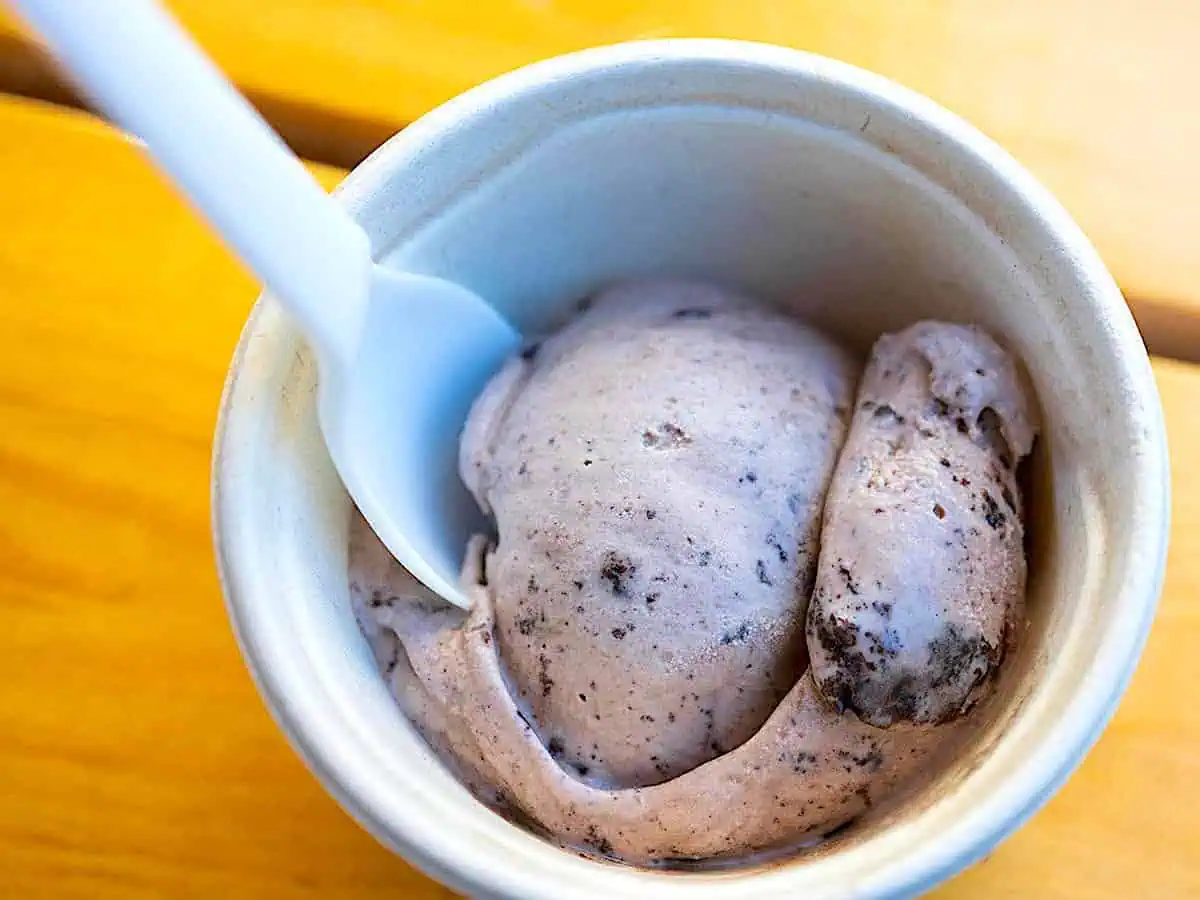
{"points": [[862, 205]]}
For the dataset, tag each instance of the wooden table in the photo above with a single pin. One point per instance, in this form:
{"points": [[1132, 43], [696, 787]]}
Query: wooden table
{"points": [[135, 757]]}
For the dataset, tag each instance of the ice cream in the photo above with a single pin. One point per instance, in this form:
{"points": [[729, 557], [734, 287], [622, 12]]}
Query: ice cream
{"points": [[922, 569], [656, 472], [633, 677]]}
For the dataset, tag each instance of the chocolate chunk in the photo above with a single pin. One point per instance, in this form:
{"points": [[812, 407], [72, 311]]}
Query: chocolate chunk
{"points": [[618, 571]]}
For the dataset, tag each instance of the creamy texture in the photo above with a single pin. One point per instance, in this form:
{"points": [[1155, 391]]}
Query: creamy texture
{"points": [[807, 770], [922, 568], [633, 676], [656, 471]]}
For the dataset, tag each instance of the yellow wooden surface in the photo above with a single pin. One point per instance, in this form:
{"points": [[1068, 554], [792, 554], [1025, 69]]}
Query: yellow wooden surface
{"points": [[1097, 97], [135, 757]]}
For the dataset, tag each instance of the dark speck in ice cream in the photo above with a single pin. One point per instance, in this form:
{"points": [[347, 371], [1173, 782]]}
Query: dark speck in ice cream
{"points": [[737, 634], [618, 571], [992, 514]]}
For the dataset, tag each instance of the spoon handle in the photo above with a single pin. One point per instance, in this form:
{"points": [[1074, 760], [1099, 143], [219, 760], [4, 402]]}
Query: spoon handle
{"points": [[149, 77]]}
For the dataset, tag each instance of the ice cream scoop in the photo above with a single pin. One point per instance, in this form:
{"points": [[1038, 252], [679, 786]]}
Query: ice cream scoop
{"points": [[922, 569], [656, 471]]}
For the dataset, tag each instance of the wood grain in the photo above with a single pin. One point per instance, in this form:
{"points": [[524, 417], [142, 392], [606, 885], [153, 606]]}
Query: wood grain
{"points": [[136, 759], [1094, 96]]}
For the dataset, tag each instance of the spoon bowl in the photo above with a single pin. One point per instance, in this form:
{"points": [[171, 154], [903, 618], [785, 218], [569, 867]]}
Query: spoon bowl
{"points": [[392, 412]]}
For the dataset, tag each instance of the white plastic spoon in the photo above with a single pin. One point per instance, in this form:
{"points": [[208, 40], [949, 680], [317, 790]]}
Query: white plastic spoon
{"points": [[400, 356]]}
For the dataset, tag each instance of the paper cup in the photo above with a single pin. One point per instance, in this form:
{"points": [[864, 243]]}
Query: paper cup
{"points": [[861, 205]]}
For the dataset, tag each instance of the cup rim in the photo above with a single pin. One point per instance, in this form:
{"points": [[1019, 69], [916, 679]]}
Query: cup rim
{"points": [[1060, 748]]}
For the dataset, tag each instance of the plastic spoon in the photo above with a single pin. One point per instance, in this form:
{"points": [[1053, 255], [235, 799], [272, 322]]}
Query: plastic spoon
{"points": [[400, 356]]}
